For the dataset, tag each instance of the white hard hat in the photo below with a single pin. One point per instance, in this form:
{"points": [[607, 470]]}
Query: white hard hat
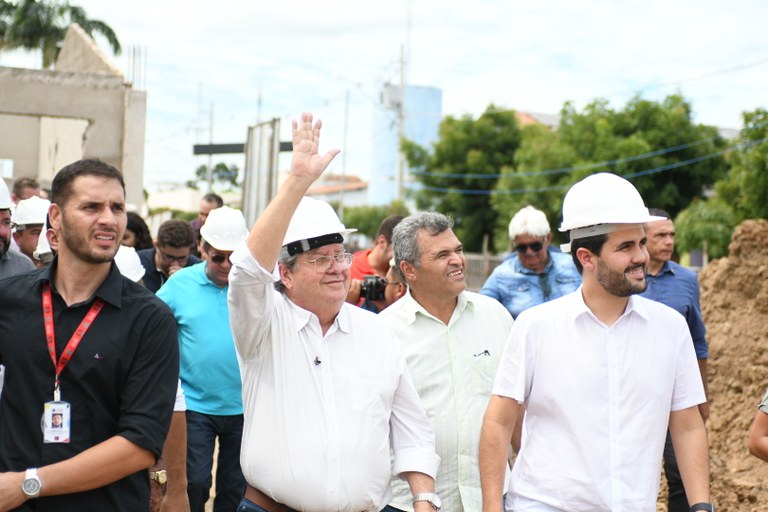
{"points": [[129, 264], [594, 205], [224, 228], [43, 250], [5, 196], [314, 224], [30, 212]]}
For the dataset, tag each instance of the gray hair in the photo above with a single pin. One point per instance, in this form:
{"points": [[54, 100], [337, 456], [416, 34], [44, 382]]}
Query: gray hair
{"points": [[405, 237], [529, 221], [288, 262]]}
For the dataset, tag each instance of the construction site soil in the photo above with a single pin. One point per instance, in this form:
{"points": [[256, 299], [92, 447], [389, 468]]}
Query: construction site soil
{"points": [[734, 301]]}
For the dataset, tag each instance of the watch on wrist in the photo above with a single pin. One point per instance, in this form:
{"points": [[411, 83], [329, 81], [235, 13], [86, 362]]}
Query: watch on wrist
{"points": [[707, 507], [431, 497], [32, 485]]}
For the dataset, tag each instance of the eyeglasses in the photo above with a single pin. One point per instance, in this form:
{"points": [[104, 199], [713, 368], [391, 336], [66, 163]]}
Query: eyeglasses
{"points": [[218, 258], [171, 259], [323, 263], [523, 248]]}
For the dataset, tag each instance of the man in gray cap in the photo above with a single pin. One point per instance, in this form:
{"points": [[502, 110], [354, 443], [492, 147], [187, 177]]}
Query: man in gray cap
{"points": [[326, 392]]}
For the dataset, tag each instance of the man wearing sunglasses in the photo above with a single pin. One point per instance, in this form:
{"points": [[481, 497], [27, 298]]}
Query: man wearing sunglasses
{"points": [[172, 251], [537, 272], [326, 392], [209, 371]]}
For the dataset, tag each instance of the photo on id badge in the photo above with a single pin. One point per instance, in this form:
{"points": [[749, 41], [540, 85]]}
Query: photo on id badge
{"points": [[56, 422]]}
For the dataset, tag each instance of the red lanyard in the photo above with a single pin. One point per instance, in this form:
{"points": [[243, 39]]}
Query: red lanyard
{"points": [[74, 341]]}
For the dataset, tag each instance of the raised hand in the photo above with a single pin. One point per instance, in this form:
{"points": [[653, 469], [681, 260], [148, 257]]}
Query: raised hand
{"points": [[306, 162]]}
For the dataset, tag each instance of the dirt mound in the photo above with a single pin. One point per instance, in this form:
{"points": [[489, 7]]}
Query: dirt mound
{"points": [[734, 301]]}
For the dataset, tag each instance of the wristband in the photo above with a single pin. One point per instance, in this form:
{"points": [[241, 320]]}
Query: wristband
{"points": [[708, 507]]}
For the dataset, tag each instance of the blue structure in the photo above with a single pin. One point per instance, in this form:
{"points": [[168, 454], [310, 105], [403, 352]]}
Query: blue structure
{"points": [[422, 114]]}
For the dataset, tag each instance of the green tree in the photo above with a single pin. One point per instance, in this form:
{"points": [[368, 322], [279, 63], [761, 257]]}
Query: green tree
{"points": [[746, 186], [41, 25], [453, 176], [705, 224], [366, 219], [221, 173], [670, 159]]}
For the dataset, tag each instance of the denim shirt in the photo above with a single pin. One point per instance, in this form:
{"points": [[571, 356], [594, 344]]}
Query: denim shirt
{"points": [[519, 288], [678, 288]]}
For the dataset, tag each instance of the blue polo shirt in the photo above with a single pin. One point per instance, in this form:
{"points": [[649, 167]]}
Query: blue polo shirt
{"points": [[209, 371], [678, 288], [519, 288]]}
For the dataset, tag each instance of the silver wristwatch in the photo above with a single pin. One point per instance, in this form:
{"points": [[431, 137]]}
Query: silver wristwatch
{"points": [[32, 485], [431, 497]]}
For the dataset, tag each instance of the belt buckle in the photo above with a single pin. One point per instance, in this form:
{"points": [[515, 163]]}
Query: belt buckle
{"points": [[159, 476]]}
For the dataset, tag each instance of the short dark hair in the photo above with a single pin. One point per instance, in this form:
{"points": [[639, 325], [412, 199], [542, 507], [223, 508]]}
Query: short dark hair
{"points": [[139, 228], [387, 226], [658, 212], [593, 244], [24, 182], [175, 233], [61, 188], [210, 197]]}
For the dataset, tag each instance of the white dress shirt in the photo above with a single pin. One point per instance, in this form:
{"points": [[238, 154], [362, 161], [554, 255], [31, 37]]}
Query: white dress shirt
{"points": [[322, 412], [453, 367], [598, 400]]}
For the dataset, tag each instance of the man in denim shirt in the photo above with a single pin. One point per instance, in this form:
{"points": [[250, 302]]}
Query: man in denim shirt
{"points": [[678, 288], [539, 273]]}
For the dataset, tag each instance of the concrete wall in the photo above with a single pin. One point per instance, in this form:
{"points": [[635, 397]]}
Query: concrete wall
{"points": [[51, 118]]}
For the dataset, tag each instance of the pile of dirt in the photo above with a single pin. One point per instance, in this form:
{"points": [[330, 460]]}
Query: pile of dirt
{"points": [[734, 301]]}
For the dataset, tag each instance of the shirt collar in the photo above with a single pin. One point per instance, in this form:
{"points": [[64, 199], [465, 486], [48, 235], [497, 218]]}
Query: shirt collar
{"points": [[411, 308], [578, 307], [302, 316], [110, 290]]}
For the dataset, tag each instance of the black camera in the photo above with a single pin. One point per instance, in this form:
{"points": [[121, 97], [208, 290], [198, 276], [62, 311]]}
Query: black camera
{"points": [[373, 287]]}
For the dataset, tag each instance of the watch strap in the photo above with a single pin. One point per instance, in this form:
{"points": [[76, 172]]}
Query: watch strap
{"points": [[707, 507]]}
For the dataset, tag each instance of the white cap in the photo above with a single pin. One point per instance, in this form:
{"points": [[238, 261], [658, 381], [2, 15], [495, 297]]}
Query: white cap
{"points": [[314, 224], [129, 264], [224, 228], [31, 212], [5, 196], [600, 204]]}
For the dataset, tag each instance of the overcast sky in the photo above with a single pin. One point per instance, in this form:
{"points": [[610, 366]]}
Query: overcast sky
{"points": [[258, 60]]}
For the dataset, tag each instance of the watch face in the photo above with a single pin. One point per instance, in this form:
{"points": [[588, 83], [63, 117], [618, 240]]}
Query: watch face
{"points": [[31, 486]]}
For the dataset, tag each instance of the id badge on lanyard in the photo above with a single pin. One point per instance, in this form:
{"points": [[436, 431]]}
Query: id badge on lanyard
{"points": [[56, 420]]}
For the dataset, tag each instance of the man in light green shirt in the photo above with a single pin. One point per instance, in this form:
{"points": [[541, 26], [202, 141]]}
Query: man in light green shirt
{"points": [[452, 340]]}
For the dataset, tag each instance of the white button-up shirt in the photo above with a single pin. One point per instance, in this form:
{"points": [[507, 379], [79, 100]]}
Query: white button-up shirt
{"points": [[320, 410], [598, 400], [453, 367]]}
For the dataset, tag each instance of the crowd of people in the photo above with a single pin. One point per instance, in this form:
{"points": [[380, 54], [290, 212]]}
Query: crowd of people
{"points": [[324, 381]]}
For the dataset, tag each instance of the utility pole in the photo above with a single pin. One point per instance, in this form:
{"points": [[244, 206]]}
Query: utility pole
{"points": [[344, 156], [209, 171], [401, 130]]}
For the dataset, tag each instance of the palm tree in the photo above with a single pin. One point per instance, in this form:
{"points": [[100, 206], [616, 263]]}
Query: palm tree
{"points": [[36, 24]]}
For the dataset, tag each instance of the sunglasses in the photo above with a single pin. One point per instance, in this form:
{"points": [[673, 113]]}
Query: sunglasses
{"points": [[218, 258], [523, 248]]}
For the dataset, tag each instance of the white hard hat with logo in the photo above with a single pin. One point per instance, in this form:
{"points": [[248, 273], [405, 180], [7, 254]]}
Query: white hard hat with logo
{"points": [[314, 224], [43, 251], [5, 196], [129, 263], [224, 229], [595, 205], [31, 212]]}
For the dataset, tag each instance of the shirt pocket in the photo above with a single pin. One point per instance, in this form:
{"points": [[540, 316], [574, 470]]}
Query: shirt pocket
{"points": [[370, 396]]}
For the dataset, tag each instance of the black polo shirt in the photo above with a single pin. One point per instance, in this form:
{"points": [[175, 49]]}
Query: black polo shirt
{"points": [[121, 380], [153, 279]]}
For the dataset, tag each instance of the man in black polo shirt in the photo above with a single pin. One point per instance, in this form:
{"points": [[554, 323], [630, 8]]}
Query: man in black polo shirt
{"points": [[104, 356], [172, 251]]}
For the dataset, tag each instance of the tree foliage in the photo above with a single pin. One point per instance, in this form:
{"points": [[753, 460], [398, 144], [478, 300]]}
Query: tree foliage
{"points": [[222, 173], [366, 219], [42, 25], [670, 159], [451, 175]]}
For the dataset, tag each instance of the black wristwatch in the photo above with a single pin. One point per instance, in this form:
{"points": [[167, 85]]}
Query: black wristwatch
{"points": [[707, 507]]}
